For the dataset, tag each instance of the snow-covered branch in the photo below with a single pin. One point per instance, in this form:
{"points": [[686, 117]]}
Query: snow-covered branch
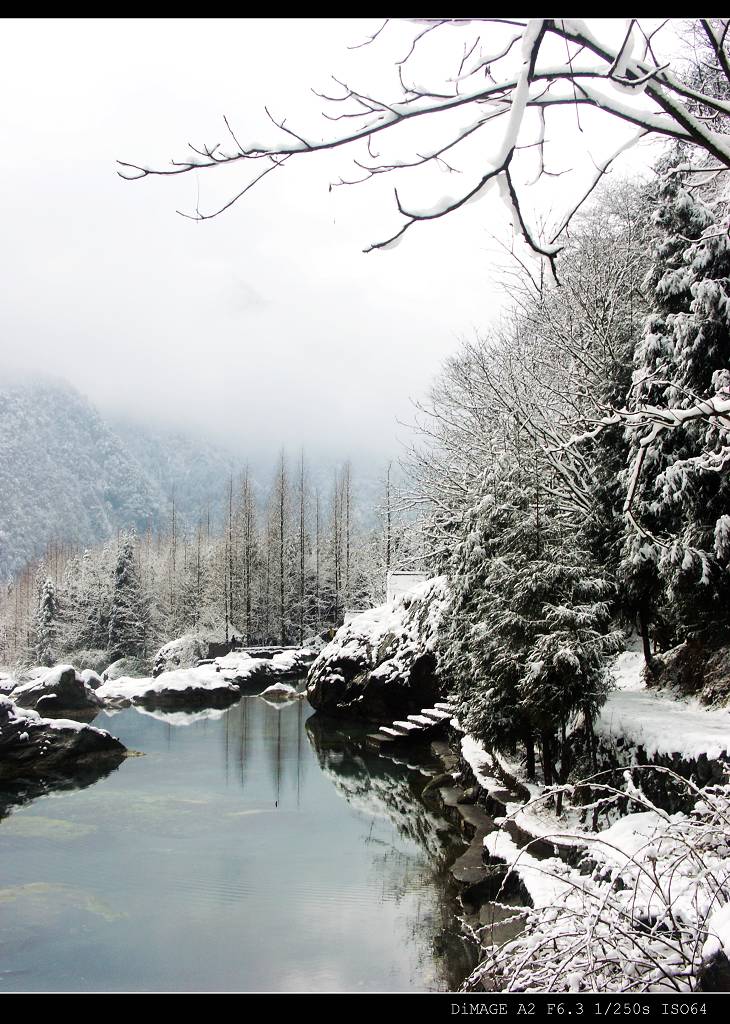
{"points": [[506, 70]]}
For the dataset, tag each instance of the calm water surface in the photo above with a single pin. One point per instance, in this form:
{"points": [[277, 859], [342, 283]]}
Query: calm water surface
{"points": [[252, 849]]}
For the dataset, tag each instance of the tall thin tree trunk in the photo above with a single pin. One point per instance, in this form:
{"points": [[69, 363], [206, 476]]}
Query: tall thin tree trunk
{"points": [[301, 550]]}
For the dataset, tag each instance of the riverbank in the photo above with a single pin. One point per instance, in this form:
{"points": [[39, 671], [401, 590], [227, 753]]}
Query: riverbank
{"points": [[625, 890]]}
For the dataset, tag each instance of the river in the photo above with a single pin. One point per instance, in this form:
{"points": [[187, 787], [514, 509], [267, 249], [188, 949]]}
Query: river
{"points": [[254, 849]]}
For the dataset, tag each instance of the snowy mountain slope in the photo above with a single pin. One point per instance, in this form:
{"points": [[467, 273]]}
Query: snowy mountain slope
{"points": [[66, 475]]}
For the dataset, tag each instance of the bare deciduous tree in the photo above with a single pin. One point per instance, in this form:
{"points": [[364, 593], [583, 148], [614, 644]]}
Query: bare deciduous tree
{"points": [[495, 82]]}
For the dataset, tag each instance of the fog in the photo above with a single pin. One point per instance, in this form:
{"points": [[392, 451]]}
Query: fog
{"points": [[266, 326]]}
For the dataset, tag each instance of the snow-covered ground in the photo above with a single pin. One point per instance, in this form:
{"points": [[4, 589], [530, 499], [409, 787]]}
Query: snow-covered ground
{"points": [[665, 726], [658, 722], [649, 866]]}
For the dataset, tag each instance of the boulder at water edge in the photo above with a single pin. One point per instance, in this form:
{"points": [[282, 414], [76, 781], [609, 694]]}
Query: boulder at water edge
{"points": [[61, 689], [35, 746], [185, 652], [382, 664]]}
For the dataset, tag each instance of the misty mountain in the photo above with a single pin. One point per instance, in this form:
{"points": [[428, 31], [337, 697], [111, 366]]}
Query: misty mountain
{"points": [[67, 474]]}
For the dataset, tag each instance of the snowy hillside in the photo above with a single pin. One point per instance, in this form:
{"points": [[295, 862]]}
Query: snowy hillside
{"points": [[66, 475]]}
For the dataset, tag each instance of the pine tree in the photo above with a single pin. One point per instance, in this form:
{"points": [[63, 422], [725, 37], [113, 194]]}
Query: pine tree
{"points": [[46, 624], [129, 619], [529, 627], [675, 561]]}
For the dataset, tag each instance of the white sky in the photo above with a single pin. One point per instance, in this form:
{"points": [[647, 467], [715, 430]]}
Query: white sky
{"points": [[266, 326]]}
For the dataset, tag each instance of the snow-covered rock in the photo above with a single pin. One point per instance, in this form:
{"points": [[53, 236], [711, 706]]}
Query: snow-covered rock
{"points": [[184, 652], [34, 746], [293, 664], [125, 667], [60, 689], [7, 683], [249, 672], [279, 692], [382, 664], [196, 687], [91, 678]]}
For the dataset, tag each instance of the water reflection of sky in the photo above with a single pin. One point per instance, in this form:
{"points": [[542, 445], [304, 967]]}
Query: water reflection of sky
{"points": [[247, 850]]}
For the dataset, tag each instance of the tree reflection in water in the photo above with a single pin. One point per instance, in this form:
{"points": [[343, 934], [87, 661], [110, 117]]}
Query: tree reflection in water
{"points": [[286, 738], [384, 789]]}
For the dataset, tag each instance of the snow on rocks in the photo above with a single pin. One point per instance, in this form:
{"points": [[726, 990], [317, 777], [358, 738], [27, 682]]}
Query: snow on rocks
{"points": [[182, 687], [91, 678], [382, 663], [281, 692], [184, 652], [60, 689], [7, 683], [232, 661], [248, 672], [293, 663], [215, 684], [34, 746], [546, 880]]}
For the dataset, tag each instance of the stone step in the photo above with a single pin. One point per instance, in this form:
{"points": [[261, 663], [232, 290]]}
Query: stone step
{"points": [[436, 714], [406, 726], [442, 705], [379, 739], [402, 733], [393, 733], [421, 720]]}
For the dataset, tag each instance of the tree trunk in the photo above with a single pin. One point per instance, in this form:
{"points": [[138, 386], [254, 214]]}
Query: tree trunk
{"points": [[547, 758], [644, 632], [530, 755]]}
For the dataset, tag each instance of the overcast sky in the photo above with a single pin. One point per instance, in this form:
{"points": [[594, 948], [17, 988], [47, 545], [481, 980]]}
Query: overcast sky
{"points": [[263, 327]]}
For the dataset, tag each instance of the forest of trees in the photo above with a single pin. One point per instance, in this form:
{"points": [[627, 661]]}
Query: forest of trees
{"points": [[561, 524], [281, 566], [571, 476]]}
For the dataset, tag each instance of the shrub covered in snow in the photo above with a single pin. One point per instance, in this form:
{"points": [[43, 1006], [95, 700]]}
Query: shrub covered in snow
{"points": [[646, 910]]}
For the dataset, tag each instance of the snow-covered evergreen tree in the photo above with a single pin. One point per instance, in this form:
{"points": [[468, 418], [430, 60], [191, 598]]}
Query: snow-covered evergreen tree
{"points": [[675, 561], [529, 629], [130, 616], [46, 624]]}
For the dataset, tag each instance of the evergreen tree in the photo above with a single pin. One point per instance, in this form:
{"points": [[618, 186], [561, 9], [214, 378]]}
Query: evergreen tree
{"points": [[529, 627], [129, 619], [46, 624], [675, 560]]}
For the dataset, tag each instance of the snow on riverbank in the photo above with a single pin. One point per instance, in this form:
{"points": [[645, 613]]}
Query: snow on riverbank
{"points": [[662, 725], [644, 907]]}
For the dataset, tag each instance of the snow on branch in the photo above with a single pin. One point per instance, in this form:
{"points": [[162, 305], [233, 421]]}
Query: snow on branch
{"points": [[506, 69]]}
